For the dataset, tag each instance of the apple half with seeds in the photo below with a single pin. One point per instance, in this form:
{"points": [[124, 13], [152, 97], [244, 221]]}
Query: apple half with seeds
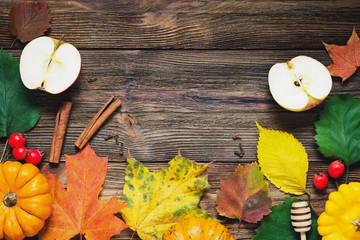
{"points": [[49, 64], [300, 84]]}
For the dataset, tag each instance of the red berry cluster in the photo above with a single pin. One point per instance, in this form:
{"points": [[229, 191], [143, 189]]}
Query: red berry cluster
{"points": [[20, 152], [335, 170]]}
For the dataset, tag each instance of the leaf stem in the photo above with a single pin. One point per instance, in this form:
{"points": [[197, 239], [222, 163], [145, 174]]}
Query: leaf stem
{"points": [[347, 174], [132, 236], [4, 151], [13, 42]]}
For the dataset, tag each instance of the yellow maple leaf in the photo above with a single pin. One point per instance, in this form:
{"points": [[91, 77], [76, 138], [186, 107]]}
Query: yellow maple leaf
{"points": [[158, 200], [283, 160]]}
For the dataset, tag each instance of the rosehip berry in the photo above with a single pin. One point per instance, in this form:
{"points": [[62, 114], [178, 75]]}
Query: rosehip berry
{"points": [[320, 180], [19, 152], [336, 169], [16, 139], [33, 156]]}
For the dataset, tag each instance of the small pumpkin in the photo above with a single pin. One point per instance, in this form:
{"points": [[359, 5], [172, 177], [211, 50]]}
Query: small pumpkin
{"points": [[26, 200], [196, 228], [341, 219]]}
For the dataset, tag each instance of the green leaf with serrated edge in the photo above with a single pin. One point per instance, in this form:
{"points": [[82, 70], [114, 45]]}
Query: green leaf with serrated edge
{"points": [[18, 111], [157, 200], [338, 129], [277, 225]]}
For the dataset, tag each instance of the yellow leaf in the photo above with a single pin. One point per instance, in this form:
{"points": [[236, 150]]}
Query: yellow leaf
{"points": [[283, 160], [158, 200]]}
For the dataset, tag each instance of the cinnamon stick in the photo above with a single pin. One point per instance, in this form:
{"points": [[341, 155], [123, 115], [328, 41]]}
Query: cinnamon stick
{"points": [[62, 118], [104, 113]]}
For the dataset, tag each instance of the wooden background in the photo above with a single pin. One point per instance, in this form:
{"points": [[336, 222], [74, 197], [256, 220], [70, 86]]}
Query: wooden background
{"points": [[190, 74]]}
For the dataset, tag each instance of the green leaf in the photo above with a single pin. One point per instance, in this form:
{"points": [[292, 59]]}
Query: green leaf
{"points": [[338, 129], [277, 225], [158, 200], [18, 112]]}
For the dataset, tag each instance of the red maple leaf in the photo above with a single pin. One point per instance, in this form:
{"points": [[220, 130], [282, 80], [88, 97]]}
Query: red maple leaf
{"points": [[244, 194], [29, 20], [77, 210], [346, 58]]}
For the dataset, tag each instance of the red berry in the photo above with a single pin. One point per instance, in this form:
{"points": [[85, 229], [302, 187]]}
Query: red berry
{"points": [[16, 139], [336, 169], [320, 180], [33, 156], [19, 152]]}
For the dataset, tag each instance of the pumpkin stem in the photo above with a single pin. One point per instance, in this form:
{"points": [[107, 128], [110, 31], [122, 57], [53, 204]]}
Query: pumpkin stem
{"points": [[357, 224], [10, 199]]}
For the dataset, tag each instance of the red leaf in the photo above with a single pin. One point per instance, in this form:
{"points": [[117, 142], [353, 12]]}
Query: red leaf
{"points": [[29, 20], [244, 194], [77, 210], [346, 58]]}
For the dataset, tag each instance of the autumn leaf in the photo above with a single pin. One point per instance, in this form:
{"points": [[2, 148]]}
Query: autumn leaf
{"points": [[29, 20], [277, 225], [346, 58], [244, 194], [283, 160], [77, 210], [158, 200]]}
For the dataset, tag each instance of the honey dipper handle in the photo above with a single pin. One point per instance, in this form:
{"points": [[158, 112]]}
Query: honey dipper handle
{"points": [[303, 235]]}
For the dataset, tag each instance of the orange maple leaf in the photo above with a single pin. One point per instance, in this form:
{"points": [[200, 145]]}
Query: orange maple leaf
{"points": [[77, 210], [346, 58]]}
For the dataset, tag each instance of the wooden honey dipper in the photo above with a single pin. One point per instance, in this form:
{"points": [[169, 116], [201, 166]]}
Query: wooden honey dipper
{"points": [[301, 218]]}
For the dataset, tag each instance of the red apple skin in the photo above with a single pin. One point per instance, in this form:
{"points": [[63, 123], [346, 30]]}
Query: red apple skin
{"points": [[312, 103]]}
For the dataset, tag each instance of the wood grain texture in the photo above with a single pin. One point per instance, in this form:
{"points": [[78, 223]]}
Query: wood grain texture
{"points": [[191, 24], [190, 75]]}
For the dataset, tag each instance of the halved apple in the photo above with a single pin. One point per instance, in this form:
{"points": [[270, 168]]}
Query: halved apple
{"points": [[49, 64], [300, 84]]}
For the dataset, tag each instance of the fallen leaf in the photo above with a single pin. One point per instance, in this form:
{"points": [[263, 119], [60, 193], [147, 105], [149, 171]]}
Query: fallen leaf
{"points": [[77, 210], [277, 225], [29, 20], [157, 200], [346, 58], [338, 129], [244, 194], [16, 100], [283, 160]]}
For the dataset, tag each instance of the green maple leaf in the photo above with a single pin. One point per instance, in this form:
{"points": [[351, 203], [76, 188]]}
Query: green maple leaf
{"points": [[18, 111], [338, 129], [277, 225], [158, 200]]}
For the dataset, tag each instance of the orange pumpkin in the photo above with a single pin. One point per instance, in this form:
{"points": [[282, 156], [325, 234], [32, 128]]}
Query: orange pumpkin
{"points": [[196, 228], [26, 201]]}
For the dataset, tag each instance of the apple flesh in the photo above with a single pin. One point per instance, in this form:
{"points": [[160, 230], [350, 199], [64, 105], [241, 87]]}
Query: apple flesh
{"points": [[300, 84], [49, 64]]}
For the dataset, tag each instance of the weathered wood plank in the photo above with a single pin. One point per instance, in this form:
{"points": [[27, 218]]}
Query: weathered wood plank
{"points": [[237, 77], [190, 99], [194, 24], [193, 100]]}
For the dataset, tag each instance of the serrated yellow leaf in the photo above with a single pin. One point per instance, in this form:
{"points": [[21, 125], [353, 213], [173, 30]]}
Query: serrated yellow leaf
{"points": [[158, 200], [283, 160]]}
